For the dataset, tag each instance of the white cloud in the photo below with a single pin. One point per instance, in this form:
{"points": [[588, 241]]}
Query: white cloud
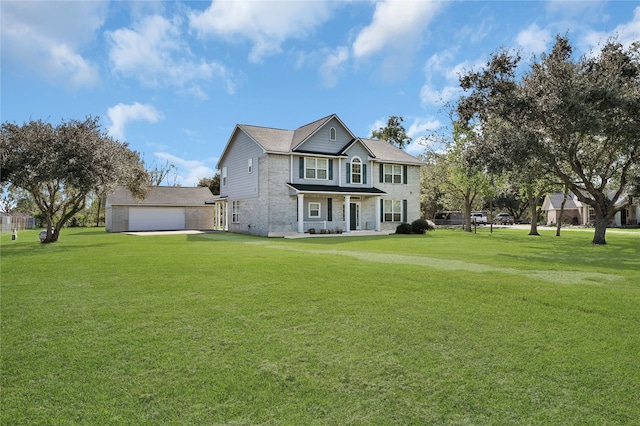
{"points": [[333, 65], [189, 171], [155, 53], [121, 114], [441, 77], [430, 95], [266, 24], [418, 128], [49, 37], [624, 33], [534, 40], [396, 24]]}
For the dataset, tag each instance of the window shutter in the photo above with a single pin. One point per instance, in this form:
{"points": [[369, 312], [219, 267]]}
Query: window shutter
{"points": [[381, 210], [381, 173], [329, 209], [301, 167], [404, 174], [404, 210], [330, 171], [364, 173], [348, 172]]}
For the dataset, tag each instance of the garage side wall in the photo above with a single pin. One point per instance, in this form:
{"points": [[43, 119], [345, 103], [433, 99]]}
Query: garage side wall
{"points": [[199, 218], [118, 220]]}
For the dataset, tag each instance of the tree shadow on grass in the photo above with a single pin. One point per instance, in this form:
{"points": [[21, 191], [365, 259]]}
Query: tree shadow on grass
{"points": [[622, 252]]}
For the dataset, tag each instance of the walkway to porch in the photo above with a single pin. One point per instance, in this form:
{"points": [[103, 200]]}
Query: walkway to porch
{"points": [[344, 234]]}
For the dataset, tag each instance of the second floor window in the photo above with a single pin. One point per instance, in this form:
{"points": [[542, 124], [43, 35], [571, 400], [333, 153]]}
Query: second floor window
{"points": [[356, 170], [224, 176], [392, 173], [332, 134], [316, 168]]}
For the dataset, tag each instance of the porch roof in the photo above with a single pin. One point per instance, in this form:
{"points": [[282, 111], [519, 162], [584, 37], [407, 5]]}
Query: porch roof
{"points": [[335, 189]]}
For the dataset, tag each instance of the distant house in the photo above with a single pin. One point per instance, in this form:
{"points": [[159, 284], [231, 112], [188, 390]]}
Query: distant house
{"points": [[165, 208], [578, 213], [319, 176]]}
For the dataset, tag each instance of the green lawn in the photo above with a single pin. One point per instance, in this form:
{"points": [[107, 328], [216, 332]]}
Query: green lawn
{"points": [[447, 328]]}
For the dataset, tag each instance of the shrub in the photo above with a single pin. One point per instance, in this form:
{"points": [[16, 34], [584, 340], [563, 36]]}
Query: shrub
{"points": [[404, 228], [420, 226]]}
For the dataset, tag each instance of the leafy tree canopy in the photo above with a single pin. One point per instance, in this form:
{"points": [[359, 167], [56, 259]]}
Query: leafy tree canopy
{"points": [[394, 133], [213, 183], [578, 119], [60, 165]]}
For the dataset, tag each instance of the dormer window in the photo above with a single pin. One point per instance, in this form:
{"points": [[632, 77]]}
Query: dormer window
{"points": [[332, 134]]}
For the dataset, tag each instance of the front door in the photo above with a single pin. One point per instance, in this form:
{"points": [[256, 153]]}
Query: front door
{"points": [[354, 216]]}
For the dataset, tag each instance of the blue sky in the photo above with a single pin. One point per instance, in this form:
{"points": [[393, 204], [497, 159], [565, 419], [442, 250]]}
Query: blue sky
{"points": [[174, 78]]}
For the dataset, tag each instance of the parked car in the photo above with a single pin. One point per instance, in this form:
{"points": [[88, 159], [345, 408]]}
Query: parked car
{"points": [[503, 219], [479, 218]]}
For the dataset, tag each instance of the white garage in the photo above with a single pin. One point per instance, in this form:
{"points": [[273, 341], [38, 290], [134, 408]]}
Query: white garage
{"points": [[165, 208], [156, 218]]}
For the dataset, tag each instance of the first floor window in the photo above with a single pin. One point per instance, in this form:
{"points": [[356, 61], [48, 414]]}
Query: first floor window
{"points": [[392, 173], [392, 210], [235, 212], [314, 210]]}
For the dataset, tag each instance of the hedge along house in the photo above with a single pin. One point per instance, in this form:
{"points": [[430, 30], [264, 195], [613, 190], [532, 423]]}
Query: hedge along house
{"points": [[319, 176], [166, 208]]}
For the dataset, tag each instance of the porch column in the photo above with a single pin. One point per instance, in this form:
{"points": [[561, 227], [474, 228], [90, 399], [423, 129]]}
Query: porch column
{"points": [[378, 217], [301, 213], [216, 221], [347, 213]]}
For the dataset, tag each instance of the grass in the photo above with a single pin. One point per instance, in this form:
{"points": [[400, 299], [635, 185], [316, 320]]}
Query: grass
{"points": [[448, 328]]}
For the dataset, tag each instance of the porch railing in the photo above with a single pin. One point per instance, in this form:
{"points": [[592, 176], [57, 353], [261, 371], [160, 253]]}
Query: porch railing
{"points": [[325, 225]]}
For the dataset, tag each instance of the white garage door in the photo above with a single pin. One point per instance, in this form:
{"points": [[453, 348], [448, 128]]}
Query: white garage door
{"points": [[156, 218]]}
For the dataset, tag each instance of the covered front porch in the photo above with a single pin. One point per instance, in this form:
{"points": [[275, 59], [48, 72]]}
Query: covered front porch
{"points": [[326, 210]]}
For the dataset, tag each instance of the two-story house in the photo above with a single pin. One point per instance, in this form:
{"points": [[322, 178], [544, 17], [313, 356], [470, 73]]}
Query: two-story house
{"points": [[274, 182]]}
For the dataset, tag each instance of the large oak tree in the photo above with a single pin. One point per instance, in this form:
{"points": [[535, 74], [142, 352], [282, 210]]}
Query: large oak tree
{"points": [[60, 165], [580, 118]]}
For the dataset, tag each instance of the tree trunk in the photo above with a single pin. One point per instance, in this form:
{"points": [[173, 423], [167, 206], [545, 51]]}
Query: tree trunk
{"points": [[534, 213], [559, 224], [601, 229], [98, 216]]}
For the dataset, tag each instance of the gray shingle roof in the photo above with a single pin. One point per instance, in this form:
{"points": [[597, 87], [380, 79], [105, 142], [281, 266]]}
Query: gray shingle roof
{"points": [[280, 140], [275, 140], [384, 151], [162, 196], [301, 133], [555, 201]]}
